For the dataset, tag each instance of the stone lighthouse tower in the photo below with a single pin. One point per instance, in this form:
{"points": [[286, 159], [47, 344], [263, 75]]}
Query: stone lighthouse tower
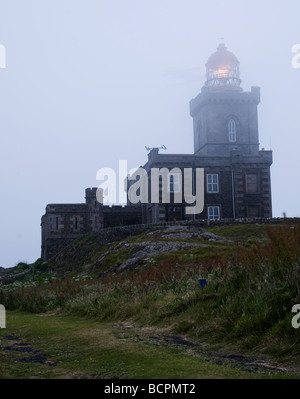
{"points": [[225, 117], [225, 125], [237, 181]]}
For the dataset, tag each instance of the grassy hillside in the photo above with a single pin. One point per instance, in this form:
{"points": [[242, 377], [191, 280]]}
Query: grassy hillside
{"points": [[151, 280]]}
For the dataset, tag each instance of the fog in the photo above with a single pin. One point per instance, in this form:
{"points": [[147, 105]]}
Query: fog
{"points": [[89, 83]]}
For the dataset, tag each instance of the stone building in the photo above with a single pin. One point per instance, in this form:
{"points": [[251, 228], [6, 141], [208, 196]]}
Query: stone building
{"points": [[235, 177], [64, 223], [237, 180]]}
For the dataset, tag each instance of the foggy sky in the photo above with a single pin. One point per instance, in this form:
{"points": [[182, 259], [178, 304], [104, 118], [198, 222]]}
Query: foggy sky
{"points": [[91, 82]]}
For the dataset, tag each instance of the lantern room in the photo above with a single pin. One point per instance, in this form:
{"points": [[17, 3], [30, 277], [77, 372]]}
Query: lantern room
{"points": [[222, 70]]}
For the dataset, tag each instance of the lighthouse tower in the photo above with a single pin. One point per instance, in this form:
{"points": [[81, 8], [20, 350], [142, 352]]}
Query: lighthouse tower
{"points": [[225, 117]]}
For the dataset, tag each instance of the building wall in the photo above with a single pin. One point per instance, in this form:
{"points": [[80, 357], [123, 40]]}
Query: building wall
{"points": [[63, 223], [211, 114], [235, 196], [241, 169], [122, 215]]}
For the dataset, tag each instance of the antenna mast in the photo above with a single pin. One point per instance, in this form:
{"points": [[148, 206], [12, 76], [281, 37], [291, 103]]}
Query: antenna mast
{"points": [[162, 147]]}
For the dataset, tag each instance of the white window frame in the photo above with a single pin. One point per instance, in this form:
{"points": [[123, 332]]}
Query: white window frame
{"points": [[213, 185], [232, 131], [213, 212]]}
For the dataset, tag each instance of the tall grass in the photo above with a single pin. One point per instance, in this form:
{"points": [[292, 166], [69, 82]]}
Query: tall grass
{"points": [[249, 293]]}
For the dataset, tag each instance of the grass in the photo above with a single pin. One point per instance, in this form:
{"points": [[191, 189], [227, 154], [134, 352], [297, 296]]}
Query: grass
{"points": [[241, 232], [252, 284], [80, 348]]}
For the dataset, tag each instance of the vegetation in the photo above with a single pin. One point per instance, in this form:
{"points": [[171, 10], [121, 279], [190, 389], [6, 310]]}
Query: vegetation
{"points": [[51, 346], [252, 283]]}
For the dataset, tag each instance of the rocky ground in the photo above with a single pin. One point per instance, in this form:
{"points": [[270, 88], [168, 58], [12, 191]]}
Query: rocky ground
{"points": [[158, 242]]}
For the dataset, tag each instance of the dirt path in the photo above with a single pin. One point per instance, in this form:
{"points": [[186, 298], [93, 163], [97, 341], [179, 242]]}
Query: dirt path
{"points": [[241, 362], [11, 343], [56, 346]]}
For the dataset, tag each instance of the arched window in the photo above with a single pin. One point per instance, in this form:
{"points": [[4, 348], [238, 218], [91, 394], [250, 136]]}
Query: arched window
{"points": [[232, 131]]}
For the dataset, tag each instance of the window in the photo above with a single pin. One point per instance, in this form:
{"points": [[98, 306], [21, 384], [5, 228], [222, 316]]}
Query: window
{"points": [[76, 223], [253, 211], [213, 212], [251, 183], [212, 183], [174, 214], [174, 183], [232, 131]]}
